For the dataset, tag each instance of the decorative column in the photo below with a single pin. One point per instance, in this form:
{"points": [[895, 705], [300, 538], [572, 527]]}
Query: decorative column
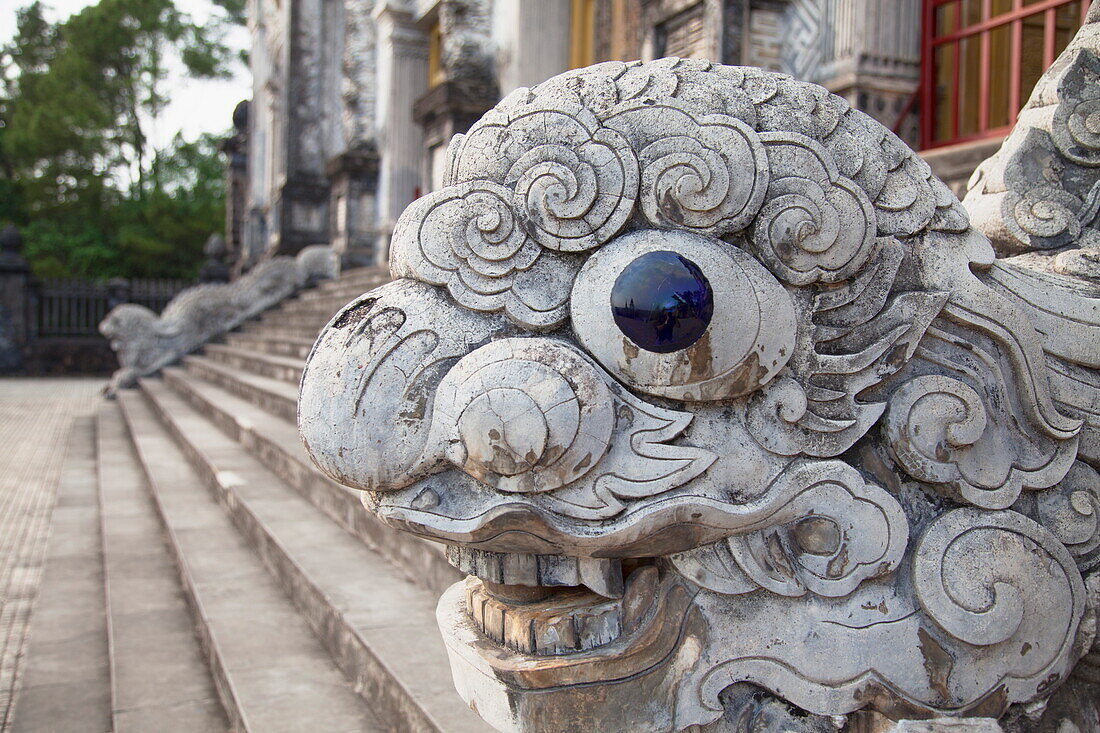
{"points": [[469, 86], [869, 53], [532, 41], [266, 163], [353, 171], [235, 148], [302, 200], [402, 77], [15, 312]]}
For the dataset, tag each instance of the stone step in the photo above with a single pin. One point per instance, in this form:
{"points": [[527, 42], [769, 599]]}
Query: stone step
{"points": [[328, 297], [284, 368], [344, 292], [362, 274], [276, 396], [359, 275], [343, 289], [302, 305], [309, 322], [336, 291], [282, 346], [347, 284], [269, 668], [66, 683], [280, 331], [332, 305], [277, 445], [379, 627], [321, 311], [159, 677], [362, 270]]}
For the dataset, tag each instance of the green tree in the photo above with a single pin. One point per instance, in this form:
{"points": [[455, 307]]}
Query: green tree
{"points": [[161, 235], [76, 167]]}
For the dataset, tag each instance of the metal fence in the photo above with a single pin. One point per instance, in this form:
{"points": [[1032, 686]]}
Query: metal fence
{"points": [[155, 294], [67, 307]]}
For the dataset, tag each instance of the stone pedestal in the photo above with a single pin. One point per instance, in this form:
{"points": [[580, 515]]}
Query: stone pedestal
{"points": [[468, 88], [15, 302], [214, 269], [446, 110], [301, 210], [118, 292], [354, 207]]}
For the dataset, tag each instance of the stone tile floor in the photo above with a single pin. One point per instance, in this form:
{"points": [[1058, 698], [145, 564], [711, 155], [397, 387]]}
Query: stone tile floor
{"points": [[36, 416]]}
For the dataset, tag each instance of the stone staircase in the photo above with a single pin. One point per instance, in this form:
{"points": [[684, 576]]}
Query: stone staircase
{"points": [[222, 582]]}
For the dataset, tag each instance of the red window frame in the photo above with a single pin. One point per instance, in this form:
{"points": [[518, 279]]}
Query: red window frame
{"points": [[931, 42]]}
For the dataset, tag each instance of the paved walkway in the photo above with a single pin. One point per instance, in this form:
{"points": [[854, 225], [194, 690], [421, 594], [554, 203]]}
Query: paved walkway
{"points": [[36, 416]]}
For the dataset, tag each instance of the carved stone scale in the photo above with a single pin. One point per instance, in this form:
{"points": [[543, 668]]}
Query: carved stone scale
{"points": [[732, 416]]}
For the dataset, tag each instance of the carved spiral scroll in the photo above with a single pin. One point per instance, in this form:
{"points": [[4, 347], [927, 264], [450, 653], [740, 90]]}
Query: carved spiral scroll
{"points": [[835, 532], [528, 415], [1045, 212], [574, 183], [707, 175], [468, 238], [990, 577], [940, 431], [1076, 131], [816, 225], [949, 413], [1071, 511]]}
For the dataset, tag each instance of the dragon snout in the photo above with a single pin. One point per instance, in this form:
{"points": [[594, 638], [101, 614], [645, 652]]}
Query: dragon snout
{"points": [[368, 389]]}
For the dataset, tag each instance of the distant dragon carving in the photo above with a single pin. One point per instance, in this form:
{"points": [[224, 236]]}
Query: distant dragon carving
{"points": [[145, 343]]}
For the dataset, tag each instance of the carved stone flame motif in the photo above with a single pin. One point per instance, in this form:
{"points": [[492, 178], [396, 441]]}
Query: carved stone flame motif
{"points": [[709, 385]]}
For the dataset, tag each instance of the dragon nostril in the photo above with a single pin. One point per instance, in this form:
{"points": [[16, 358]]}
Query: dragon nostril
{"points": [[662, 302], [504, 431], [817, 535]]}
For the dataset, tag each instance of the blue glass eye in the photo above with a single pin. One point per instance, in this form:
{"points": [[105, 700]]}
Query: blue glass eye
{"points": [[662, 302]]}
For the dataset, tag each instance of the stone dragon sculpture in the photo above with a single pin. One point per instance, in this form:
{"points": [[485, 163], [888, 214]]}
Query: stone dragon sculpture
{"points": [[145, 343], [732, 417]]}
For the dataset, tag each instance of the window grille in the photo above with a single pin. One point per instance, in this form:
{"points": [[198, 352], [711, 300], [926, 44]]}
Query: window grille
{"points": [[981, 58]]}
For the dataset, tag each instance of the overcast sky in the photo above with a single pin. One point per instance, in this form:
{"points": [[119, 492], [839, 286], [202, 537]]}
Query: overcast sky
{"points": [[196, 106]]}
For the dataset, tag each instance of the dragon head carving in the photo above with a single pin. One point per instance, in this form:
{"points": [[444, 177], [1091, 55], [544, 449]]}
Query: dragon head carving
{"points": [[701, 375]]}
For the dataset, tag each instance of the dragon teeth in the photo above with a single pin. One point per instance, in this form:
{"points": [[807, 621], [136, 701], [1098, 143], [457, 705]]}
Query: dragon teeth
{"points": [[601, 575]]}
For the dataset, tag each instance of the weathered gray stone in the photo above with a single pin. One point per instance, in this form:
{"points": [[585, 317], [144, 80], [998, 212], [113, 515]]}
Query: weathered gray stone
{"points": [[466, 51], [1040, 192], [214, 270], [146, 342], [863, 489]]}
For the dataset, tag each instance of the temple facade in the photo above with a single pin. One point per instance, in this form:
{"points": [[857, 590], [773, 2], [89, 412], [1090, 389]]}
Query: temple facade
{"points": [[354, 101]]}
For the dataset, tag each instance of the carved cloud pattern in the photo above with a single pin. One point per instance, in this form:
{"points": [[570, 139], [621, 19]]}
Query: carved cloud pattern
{"points": [[467, 238]]}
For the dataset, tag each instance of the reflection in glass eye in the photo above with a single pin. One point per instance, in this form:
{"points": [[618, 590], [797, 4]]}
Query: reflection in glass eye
{"points": [[662, 302]]}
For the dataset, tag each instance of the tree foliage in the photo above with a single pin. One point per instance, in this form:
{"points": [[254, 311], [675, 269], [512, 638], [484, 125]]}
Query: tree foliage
{"points": [[77, 170]]}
